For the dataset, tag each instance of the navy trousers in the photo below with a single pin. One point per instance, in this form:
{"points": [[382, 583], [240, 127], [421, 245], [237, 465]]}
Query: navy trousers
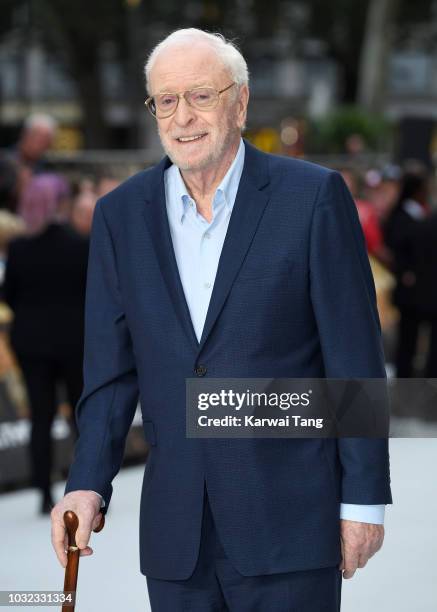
{"points": [[216, 586]]}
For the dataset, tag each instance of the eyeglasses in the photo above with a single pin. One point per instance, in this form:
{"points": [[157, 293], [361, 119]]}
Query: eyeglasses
{"points": [[203, 98]]}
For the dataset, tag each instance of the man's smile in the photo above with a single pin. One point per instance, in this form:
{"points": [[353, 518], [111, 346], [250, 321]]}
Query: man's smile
{"points": [[187, 139]]}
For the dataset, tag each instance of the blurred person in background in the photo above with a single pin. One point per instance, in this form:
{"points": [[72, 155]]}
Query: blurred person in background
{"points": [[44, 286], [82, 212], [42, 197], [14, 178], [11, 226], [105, 184], [36, 138], [8, 184], [382, 189], [400, 234], [368, 217], [85, 184], [425, 247]]}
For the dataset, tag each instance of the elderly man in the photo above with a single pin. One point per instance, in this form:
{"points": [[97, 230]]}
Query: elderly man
{"points": [[223, 261]]}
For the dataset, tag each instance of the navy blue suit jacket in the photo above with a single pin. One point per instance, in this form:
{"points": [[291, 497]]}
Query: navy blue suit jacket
{"points": [[293, 297]]}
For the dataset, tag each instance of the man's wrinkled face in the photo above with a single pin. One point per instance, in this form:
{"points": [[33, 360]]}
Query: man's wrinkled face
{"points": [[179, 69]]}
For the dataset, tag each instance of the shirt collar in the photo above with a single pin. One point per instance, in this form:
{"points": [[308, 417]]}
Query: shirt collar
{"points": [[226, 190], [181, 192], [229, 183]]}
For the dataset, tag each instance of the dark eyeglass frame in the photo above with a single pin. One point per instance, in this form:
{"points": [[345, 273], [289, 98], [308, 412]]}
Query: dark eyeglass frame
{"points": [[183, 94]]}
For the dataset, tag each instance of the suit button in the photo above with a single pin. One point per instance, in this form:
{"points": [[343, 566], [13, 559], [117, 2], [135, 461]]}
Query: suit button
{"points": [[200, 370]]}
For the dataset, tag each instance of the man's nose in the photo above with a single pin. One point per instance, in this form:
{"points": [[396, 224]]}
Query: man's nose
{"points": [[184, 113]]}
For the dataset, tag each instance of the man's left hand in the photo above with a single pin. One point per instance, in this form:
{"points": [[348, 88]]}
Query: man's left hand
{"points": [[359, 542]]}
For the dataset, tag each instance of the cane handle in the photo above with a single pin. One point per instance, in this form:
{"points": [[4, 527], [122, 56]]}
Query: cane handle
{"points": [[72, 523]]}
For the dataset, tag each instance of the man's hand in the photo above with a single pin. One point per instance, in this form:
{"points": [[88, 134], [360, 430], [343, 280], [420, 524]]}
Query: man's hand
{"points": [[86, 504], [359, 542]]}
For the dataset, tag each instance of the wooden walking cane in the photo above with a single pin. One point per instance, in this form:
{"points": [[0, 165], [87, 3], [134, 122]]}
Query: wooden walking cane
{"points": [[71, 524]]}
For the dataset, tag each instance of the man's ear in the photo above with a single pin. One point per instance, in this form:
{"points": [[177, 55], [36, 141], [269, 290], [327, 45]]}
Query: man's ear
{"points": [[242, 102]]}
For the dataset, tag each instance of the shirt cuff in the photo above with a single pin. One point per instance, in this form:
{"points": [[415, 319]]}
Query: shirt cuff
{"points": [[103, 503], [363, 513]]}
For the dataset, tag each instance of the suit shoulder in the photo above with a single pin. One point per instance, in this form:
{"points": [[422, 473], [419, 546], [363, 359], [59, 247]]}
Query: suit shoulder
{"points": [[306, 182], [300, 168], [130, 188]]}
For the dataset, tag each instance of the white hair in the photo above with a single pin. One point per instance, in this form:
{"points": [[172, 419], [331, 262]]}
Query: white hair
{"points": [[226, 51], [41, 120]]}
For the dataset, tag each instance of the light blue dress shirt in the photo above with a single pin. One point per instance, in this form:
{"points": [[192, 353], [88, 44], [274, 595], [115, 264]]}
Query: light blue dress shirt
{"points": [[197, 245]]}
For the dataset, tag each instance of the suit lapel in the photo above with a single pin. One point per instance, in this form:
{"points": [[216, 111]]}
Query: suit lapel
{"points": [[155, 214], [248, 208]]}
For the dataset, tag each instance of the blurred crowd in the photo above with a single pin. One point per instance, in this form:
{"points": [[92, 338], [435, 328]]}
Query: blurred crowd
{"points": [[400, 229], [45, 221]]}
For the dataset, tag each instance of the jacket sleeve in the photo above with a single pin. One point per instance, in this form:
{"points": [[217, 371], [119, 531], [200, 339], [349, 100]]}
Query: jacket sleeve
{"points": [[106, 407], [344, 302]]}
